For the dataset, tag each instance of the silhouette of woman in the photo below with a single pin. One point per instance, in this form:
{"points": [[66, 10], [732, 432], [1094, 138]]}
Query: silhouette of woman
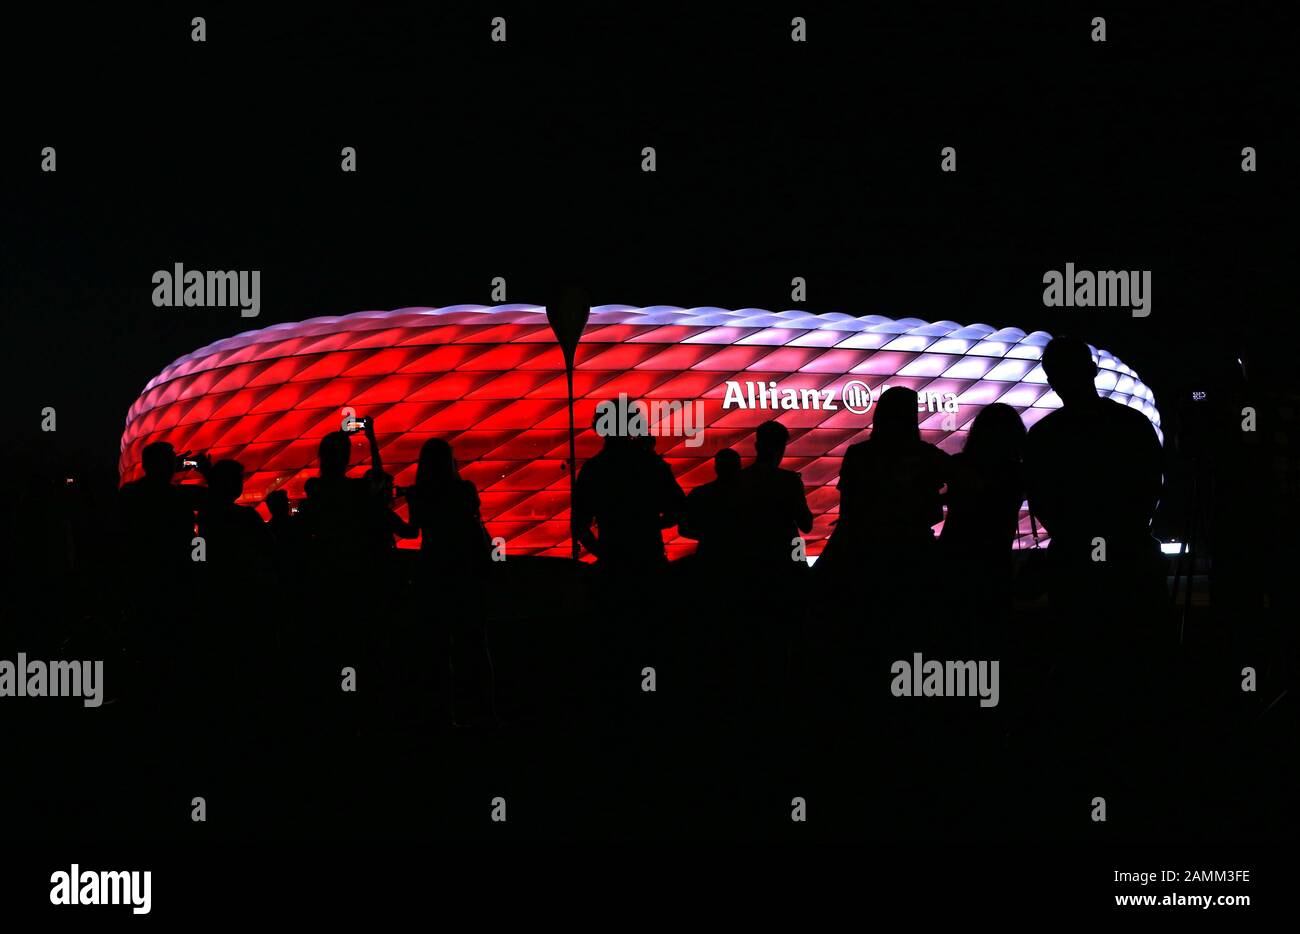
{"points": [[889, 486], [456, 557], [883, 543], [986, 487]]}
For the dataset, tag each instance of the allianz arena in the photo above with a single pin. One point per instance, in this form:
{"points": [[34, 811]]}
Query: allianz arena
{"points": [[490, 380]]}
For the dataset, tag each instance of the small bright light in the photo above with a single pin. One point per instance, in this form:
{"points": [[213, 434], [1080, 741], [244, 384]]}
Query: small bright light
{"points": [[1174, 548]]}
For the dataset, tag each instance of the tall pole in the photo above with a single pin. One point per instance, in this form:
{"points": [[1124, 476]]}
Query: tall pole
{"points": [[573, 463], [568, 318]]}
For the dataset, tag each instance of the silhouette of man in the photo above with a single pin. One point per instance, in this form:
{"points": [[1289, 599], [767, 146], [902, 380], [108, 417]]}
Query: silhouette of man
{"points": [[336, 513], [760, 527], [629, 492], [883, 544], [1093, 475], [772, 508], [237, 540], [159, 574], [282, 518], [159, 515], [1093, 467], [706, 508]]}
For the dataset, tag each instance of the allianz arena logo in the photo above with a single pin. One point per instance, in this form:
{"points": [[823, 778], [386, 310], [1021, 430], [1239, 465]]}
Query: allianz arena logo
{"points": [[854, 396], [640, 418]]}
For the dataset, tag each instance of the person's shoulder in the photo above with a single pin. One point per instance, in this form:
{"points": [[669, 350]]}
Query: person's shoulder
{"points": [[1054, 416], [594, 464], [468, 492], [1126, 413], [858, 449], [1050, 423]]}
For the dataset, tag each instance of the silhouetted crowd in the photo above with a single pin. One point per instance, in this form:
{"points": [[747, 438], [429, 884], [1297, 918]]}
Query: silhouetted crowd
{"points": [[310, 632], [884, 586]]}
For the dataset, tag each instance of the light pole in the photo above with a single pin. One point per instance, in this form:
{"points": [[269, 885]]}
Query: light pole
{"points": [[568, 318]]}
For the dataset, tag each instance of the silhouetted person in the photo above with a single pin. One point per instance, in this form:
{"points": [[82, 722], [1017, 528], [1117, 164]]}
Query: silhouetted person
{"points": [[986, 488], [160, 576], [228, 620], [335, 514], [282, 517], [237, 542], [761, 527], [456, 557], [986, 485], [889, 488], [706, 507], [1094, 471], [340, 568], [771, 506], [629, 492], [879, 570], [158, 515], [444, 508]]}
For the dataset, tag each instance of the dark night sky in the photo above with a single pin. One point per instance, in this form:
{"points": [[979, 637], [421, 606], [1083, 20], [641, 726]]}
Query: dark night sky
{"points": [[523, 160]]}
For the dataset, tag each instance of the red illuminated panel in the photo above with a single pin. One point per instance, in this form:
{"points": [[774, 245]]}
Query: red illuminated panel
{"points": [[490, 380]]}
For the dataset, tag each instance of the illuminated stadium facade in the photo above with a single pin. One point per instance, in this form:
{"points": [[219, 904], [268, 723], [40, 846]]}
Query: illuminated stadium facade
{"points": [[490, 380]]}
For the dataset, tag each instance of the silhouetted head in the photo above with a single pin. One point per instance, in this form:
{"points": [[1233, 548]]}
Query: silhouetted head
{"points": [[1067, 361], [226, 480], [895, 418], [437, 464], [277, 504], [623, 424], [335, 452], [159, 461], [997, 434], [770, 440], [726, 464]]}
